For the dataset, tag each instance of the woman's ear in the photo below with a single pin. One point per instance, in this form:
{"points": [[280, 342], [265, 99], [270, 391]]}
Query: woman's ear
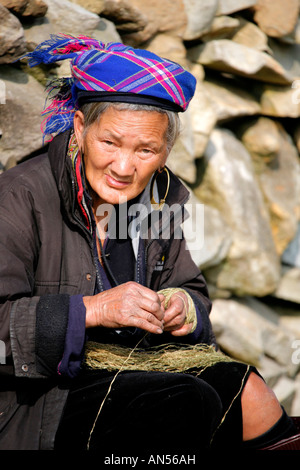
{"points": [[79, 128]]}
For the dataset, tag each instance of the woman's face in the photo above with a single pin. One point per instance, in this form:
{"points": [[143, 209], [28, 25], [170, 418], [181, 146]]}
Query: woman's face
{"points": [[121, 152]]}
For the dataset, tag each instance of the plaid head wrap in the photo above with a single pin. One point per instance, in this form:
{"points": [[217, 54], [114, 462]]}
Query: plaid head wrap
{"points": [[112, 72]]}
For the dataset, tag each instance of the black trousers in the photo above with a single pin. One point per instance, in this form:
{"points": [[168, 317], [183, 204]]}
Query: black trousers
{"points": [[155, 411]]}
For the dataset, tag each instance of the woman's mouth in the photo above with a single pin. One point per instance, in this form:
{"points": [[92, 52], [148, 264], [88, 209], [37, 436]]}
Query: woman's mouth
{"points": [[116, 183]]}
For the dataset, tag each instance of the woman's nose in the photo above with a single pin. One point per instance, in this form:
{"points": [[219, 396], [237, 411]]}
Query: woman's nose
{"points": [[123, 164]]}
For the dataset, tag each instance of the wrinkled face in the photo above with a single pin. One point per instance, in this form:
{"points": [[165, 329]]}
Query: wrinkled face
{"points": [[121, 152]]}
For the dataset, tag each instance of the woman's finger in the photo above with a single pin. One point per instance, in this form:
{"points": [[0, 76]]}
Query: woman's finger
{"points": [[184, 330]]}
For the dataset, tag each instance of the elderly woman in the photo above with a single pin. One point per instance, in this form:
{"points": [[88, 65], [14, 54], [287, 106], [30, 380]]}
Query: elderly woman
{"points": [[69, 275]]}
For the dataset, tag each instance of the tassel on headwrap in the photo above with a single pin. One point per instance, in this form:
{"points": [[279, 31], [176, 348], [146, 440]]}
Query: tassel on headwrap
{"points": [[61, 47], [60, 113], [108, 72]]}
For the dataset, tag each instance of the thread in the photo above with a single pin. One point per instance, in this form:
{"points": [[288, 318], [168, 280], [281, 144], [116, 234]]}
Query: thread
{"points": [[109, 390]]}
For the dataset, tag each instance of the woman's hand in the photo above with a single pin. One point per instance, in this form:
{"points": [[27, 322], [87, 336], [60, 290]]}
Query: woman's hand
{"points": [[129, 304], [175, 315]]}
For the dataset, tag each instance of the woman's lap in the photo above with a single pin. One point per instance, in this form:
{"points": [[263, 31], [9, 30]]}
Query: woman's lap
{"points": [[154, 410]]}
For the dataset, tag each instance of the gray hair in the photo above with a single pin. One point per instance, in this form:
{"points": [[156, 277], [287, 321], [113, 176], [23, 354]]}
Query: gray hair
{"points": [[93, 111]]}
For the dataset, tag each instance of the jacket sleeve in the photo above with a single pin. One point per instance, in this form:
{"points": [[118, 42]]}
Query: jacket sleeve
{"points": [[73, 354], [32, 328]]}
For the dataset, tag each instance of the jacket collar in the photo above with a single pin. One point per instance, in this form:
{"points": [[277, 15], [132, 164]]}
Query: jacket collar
{"points": [[62, 168]]}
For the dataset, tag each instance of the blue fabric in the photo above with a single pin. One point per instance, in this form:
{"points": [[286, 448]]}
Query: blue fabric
{"points": [[75, 338], [99, 71]]}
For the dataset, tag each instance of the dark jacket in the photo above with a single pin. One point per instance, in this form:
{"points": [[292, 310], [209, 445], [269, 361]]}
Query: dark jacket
{"points": [[46, 256]]}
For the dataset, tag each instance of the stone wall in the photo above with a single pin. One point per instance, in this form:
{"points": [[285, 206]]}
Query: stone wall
{"points": [[238, 151]]}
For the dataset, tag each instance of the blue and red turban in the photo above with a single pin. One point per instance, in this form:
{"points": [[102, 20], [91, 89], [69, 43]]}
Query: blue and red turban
{"points": [[112, 72]]}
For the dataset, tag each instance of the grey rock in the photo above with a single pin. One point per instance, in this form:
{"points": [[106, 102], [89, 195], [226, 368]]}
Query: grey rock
{"points": [[20, 116], [229, 184], [12, 42], [230, 57], [200, 16]]}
